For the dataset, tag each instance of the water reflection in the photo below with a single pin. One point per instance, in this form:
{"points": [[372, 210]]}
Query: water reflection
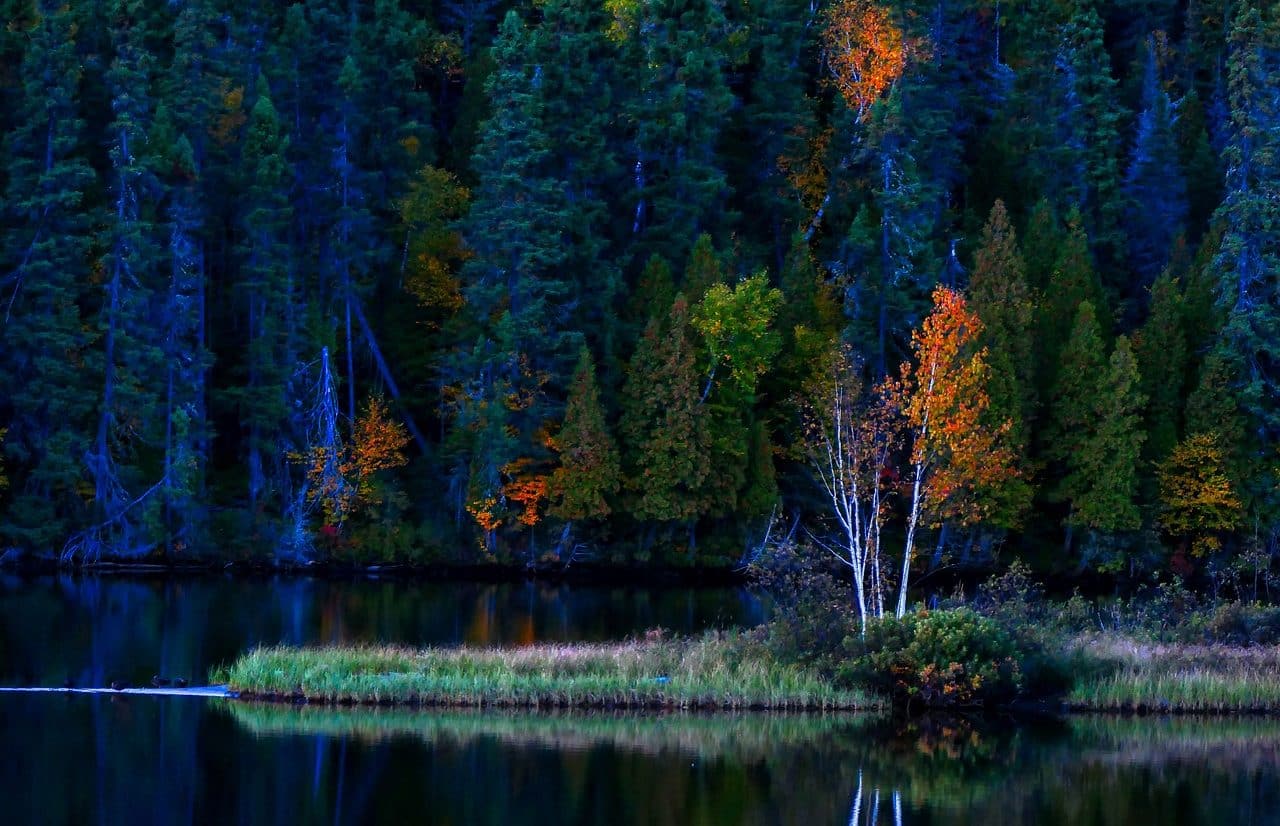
{"points": [[92, 630]]}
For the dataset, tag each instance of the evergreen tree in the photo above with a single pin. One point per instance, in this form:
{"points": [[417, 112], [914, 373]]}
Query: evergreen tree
{"points": [[589, 474], [664, 426], [47, 369], [1156, 214], [266, 295], [1249, 257], [999, 294], [514, 285], [1072, 282], [128, 428], [1089, 130], [1079, 385], [1104, 474], [1161, 351], [674, 104]]}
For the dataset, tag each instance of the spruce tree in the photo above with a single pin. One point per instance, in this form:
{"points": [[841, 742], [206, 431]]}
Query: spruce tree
{"points": [[664, 425], [1070, 413], [1103, 476], [1161, 350], [48, 375], [589, 474], [1154, 186], [999, 294]]}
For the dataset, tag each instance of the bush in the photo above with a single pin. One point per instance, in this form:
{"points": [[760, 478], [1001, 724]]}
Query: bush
{"points": [[813, 612], [953, 658], [1236, 623]]}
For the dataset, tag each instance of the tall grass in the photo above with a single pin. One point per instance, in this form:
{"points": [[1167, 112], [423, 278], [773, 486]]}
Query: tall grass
{"points": [[721, 671], [1130, 676]]}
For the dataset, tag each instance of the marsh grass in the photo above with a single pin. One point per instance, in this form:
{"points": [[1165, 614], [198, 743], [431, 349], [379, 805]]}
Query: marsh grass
{"points": [[715, 671], [1126, 675]]}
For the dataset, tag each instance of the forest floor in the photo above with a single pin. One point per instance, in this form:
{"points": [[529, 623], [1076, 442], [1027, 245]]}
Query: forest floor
{"points": [[709, 672]]}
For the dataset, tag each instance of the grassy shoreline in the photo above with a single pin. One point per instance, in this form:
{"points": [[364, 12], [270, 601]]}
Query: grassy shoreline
{"points": [[709, 672], [720, 672], [1126, 675]]}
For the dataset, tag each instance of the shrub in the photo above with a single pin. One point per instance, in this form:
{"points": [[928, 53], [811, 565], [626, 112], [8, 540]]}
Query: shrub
{"points": [[1236, 623], [938, 659]]}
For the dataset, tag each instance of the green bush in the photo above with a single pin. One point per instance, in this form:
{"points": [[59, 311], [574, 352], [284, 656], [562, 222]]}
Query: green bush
{"points": [[1236, 623], [938, 659]]}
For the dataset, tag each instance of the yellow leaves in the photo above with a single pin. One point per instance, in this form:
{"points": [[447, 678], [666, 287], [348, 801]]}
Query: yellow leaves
{"points": [[807, 173], [1197, 493], [865, 51], [624, 16]]}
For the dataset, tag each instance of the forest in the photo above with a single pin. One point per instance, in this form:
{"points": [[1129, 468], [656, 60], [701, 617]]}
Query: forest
{"points": [[645, 282]]}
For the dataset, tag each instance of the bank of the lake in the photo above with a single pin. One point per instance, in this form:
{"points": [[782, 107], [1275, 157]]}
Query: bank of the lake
{"points": [[721, 672], [715, 671]]}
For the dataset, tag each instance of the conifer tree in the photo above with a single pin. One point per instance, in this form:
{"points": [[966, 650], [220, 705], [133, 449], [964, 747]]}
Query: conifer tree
{"points": [[664, 426], [999, 295], [266, 295], [1073, 281], [1156, 214], [674, 102], [1103, 476], [1161, 351], [1249, 257], [47, 370], [589, 474], [1077, 388], [514, 285]]}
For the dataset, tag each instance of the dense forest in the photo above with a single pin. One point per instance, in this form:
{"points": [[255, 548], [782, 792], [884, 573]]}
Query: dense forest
{"points": [[643, 281]]}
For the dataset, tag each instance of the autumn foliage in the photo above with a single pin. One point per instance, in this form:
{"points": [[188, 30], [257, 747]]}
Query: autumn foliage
{"points": [[942, 394], [865, 50], [1200, 503]]}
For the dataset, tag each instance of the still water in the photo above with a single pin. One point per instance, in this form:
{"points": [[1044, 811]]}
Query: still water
{"points": [[138, 760]]}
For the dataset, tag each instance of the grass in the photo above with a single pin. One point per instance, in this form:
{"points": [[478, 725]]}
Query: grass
{"points": [[1126, 675], [715, 671]]}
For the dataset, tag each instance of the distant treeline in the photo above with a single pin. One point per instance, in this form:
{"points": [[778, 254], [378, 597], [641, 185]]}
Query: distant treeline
{"points": [[473, 279]]}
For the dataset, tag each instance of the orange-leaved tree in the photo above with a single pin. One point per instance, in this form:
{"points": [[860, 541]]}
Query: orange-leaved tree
{"points": [[865, 52], [942, 397]]}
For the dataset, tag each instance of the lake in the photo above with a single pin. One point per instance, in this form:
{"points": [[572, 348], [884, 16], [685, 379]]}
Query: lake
{"points": [[112, 759]]}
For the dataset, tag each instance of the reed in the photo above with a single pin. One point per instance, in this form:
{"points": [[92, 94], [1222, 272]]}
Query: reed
{"points": [[715, 671]]}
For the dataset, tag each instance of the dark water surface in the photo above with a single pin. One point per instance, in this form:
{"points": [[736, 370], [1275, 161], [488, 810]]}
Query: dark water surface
{"points": [[141, 760]]}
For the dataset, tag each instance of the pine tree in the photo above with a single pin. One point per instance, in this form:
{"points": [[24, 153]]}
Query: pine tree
{"points": [[1161, 351], [1249, 257], [999, 295], [1077, 388], [674, 101], [267, 298], [1104, 474], [128, 426], [664, 426], [514, 285], [1156, 214], [1089, 136], [703, 270], [1073, 281], [47, 371], [589, 474]]}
